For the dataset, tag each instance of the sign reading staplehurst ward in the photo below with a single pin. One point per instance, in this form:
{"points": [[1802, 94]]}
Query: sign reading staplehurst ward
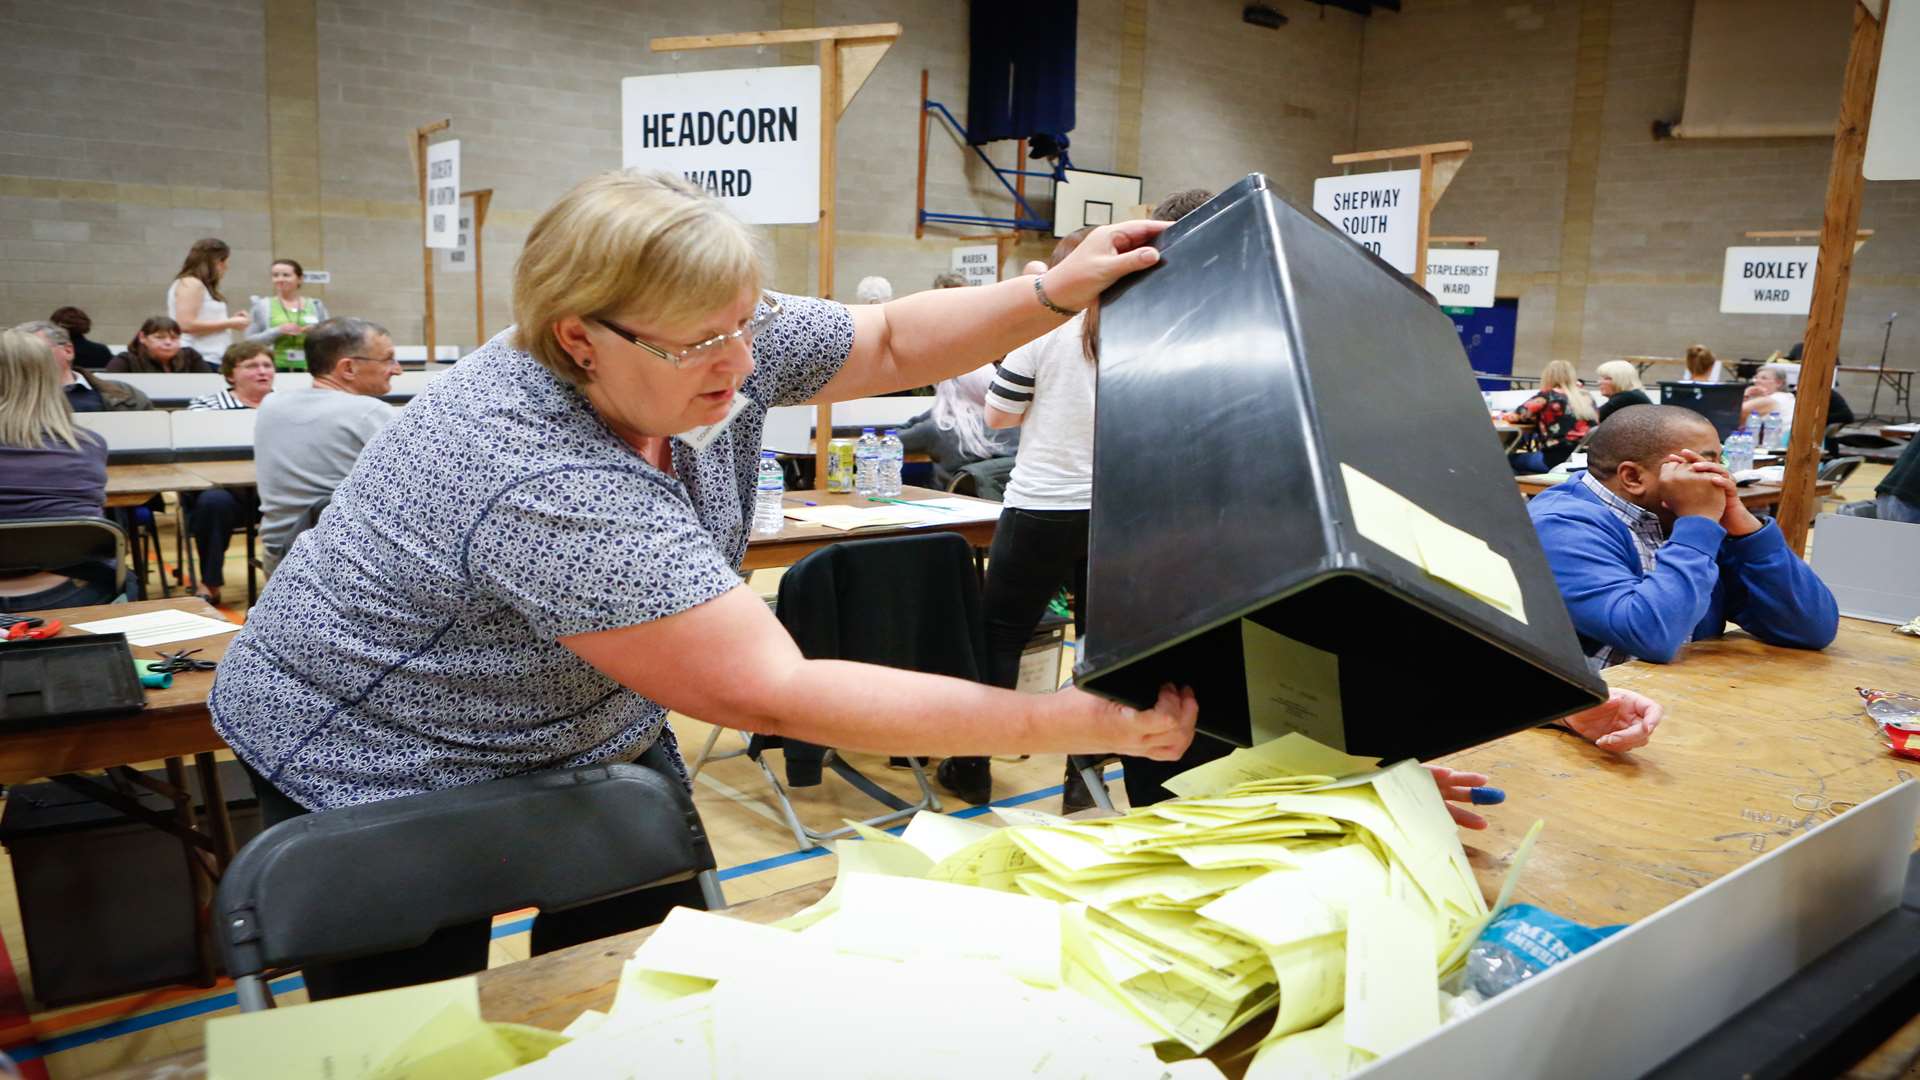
{"points": [[751, 138], [1380, 211], [1463, 278], [1768, 280]]}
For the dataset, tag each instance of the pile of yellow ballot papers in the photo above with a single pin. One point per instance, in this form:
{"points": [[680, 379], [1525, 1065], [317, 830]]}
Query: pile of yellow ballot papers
{"points": [[1290, 886], [1289, 880]]}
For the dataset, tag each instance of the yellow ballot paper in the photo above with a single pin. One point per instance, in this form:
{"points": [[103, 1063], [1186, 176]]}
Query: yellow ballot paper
{"points": [[1291, 687], [1291, 756], [342, 1039], [1451, 554], [1393, 978], [896, 918], [1319, 1054], [707, 946], [939, 835]]}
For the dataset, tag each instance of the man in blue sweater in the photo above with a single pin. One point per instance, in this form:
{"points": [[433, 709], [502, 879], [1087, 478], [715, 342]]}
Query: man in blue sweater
{"points": [[1652, 548]]}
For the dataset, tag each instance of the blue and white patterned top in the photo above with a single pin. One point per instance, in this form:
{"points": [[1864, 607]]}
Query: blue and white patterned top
{"points": [[407, 643]]}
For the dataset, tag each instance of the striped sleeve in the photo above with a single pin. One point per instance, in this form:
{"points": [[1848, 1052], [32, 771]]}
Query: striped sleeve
{"points": [[1013, 378]]}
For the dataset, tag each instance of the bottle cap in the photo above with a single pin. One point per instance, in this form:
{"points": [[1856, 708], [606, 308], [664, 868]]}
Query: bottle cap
{"points": [[768, 454], [866, 431], [893, 431]]}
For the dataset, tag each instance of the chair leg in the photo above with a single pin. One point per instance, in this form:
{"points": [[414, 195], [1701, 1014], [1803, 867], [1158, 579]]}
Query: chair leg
{"points": [[253, 993], [1091, 776], [253, 580], [700, 759], [710, 891]]}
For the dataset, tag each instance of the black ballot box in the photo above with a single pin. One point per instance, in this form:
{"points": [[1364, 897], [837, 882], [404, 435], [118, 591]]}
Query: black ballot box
{"points": [[1299, 507]]}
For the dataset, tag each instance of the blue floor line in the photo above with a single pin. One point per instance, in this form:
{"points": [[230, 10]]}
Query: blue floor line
{"points": [[30, 1051]]}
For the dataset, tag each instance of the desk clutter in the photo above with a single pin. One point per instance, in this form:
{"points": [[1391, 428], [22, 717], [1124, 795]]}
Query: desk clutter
{"points": [[1289, 881]]}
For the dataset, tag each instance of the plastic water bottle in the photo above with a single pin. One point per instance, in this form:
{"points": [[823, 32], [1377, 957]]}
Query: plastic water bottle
{"points": [[1739, 451], [893, 456], [768, 513], [866, 464], [1776, 431]]}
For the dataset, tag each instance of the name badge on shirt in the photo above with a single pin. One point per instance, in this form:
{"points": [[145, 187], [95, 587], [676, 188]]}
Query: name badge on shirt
{"points": [[296, 356], [702, 437]]}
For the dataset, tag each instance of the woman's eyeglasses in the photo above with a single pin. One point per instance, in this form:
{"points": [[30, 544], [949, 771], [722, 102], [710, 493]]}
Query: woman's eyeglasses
{"points": [[705, 351]]}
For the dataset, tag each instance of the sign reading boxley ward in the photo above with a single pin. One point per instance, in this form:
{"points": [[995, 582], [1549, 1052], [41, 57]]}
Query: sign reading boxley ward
{"points": [[1768, 280], [750, 137]]}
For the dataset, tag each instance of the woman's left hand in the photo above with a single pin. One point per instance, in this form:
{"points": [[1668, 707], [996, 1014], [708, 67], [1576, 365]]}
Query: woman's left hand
{"points": [[1108, 254], [1457, 788]]}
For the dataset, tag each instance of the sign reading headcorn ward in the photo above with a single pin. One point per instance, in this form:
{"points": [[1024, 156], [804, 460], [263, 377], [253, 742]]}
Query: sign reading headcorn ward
{"points": [[1463, 278], [751, 138], [1768, 280], [1381, 211]]}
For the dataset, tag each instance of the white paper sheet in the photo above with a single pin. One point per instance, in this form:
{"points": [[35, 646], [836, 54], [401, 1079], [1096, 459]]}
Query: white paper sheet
{"points": [[159, 627]]}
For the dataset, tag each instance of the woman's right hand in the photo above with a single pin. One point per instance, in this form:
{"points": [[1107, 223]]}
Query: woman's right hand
{"points": [[238, 322], [1161, 733]]}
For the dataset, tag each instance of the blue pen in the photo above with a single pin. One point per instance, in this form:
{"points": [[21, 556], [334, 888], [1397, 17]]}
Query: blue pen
{"points": [[1487, 796]]}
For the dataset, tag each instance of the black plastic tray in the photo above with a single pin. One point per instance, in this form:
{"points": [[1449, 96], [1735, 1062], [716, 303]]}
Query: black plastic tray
{"points": [[67, 678]]}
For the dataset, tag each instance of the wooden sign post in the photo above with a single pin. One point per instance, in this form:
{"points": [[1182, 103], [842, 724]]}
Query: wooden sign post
{"points": [[1839, 236], [1438, 164], [846, 55], [420, 136], [481, 198]]}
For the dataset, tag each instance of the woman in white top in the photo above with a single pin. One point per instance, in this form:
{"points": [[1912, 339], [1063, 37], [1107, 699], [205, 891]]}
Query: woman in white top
{"points": [[1702, 367], [1044, 387], [1767, 395], [194, 300]]}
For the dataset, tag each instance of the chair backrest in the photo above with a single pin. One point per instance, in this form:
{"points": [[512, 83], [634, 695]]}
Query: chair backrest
{"points": [[385, 876], [879, 412], [34, 544], [146, 434], [1840, 468], [417, 354], [1866, 508], [789, 430], [172, 388], [983, 479], [909, 602], [222, 432], [1871, 566], [408, 383]]}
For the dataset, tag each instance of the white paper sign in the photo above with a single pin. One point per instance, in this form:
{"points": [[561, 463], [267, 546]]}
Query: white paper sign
{"points": [[458, 259], [1768, 280], [1463, 278], [1893, 135], [979, 264], [443, 194], [1381, 211], [317, 277], [750, 137]]}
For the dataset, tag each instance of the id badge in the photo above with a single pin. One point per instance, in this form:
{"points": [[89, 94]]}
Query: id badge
{"points": [[702, 437], [296, 356]]}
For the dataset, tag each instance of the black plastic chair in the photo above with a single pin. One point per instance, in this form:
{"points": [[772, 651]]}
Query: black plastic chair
{"points": [[1840, 468], [43, 544], [371, 879]]}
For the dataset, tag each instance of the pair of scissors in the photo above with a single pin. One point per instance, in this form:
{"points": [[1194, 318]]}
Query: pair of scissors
{"points": [[31, 631], [171, 662]]}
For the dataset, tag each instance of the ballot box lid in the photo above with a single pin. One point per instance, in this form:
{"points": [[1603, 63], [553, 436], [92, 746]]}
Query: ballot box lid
{"points": [[1300, 508]]}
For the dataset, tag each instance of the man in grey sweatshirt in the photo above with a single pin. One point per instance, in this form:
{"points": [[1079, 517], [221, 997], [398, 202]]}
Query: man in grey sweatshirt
{"points": [[306, 441]]}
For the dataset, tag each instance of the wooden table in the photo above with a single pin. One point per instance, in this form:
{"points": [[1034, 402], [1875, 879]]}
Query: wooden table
{"points": [[798, 539], [1752, 496], [174, 724], [131, 485], [1899, 431], [237, 472], [1749, 726]]}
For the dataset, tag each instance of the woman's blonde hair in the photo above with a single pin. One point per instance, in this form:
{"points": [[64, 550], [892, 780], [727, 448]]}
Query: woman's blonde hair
{"points": [[1700, 361], [628, 239], [1624, 375], [1559, 375], [33, 408]]}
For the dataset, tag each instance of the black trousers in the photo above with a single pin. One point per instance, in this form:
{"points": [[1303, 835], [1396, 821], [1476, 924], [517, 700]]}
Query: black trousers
{"points": [[1034, 554], [212, 516], [462, 949]]}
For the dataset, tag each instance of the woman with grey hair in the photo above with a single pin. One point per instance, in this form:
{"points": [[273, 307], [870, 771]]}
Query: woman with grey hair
{"points": [[873, 290], [540, 556], [1768, 395]]}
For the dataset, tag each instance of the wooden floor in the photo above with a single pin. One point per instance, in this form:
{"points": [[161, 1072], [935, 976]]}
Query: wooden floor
{"points": [[752, 844]]}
